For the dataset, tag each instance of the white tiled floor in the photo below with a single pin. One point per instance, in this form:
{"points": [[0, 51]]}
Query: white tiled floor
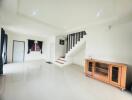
{"points": [[41, 81]]}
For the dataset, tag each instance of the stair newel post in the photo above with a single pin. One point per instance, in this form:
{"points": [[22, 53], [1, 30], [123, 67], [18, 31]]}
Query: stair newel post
{"points": [[82, 34], [67, 44], [73, 39], [79, 36], [76, 37]]}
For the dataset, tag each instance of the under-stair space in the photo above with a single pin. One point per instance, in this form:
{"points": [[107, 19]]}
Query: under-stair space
{"points": [[74, 43]]}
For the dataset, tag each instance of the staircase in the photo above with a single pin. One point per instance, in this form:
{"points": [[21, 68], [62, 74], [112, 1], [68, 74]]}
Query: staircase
{"points": [[61, 60], [74, 43]]}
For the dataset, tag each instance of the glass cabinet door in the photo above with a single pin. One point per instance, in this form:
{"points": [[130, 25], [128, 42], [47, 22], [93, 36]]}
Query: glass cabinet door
{"points": [[115, 71], [90, 66], [115, 75]]}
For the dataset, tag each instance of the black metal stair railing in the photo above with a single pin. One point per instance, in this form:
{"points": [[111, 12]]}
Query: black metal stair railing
{"points": [[73, 38]]}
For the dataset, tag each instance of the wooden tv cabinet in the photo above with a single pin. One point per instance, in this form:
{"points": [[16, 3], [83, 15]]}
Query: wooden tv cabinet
{"points": [[108, 72]]}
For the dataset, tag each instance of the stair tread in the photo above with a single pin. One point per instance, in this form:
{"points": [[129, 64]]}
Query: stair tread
{"points": [[59, 62], [62, 59]]}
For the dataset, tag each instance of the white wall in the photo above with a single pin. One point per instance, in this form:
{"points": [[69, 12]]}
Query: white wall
{"points": [[79, 58], [113, 45], [32, 55]]}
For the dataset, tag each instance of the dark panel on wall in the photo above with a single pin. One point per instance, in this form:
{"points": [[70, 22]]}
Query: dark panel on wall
{"points": [[3, 50]]}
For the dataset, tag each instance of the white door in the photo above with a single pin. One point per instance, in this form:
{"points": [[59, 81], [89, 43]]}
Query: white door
{"points": [[18, 51]]}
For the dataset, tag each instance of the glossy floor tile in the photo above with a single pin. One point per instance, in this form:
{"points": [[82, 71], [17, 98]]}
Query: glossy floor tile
{"points": [[41, 81]]}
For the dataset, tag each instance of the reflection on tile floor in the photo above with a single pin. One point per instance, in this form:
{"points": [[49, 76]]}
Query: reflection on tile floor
{"points": [[41, 81]]}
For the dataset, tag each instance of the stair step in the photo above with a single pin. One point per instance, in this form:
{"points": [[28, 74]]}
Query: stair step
{"points": [[59, 62], [62, 59]]}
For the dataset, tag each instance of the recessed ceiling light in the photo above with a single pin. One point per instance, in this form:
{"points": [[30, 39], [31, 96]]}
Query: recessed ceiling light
{"points": [[34, 13], [99, 13]]}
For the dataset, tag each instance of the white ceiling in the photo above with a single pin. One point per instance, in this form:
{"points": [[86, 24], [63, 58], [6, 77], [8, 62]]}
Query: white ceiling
{"points": [[61, 15]]}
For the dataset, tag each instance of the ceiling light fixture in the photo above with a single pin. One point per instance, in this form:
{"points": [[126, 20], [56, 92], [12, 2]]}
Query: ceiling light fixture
{"points": [[99, 13], [34, 13]]}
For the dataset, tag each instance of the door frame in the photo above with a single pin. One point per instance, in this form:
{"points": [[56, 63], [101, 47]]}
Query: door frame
{"points": [[13, 49]]}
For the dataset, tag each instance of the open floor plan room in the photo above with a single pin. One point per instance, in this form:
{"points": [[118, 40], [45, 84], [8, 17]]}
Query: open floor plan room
{"points": [[66, 49]]}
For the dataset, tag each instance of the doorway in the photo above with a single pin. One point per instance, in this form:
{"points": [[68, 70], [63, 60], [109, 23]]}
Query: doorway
{"points": [[18, 51]]}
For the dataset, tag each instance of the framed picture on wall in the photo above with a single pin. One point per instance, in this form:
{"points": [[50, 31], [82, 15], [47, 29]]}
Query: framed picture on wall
{"points": [[34, 45], [37, 47], [61, 42]]}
